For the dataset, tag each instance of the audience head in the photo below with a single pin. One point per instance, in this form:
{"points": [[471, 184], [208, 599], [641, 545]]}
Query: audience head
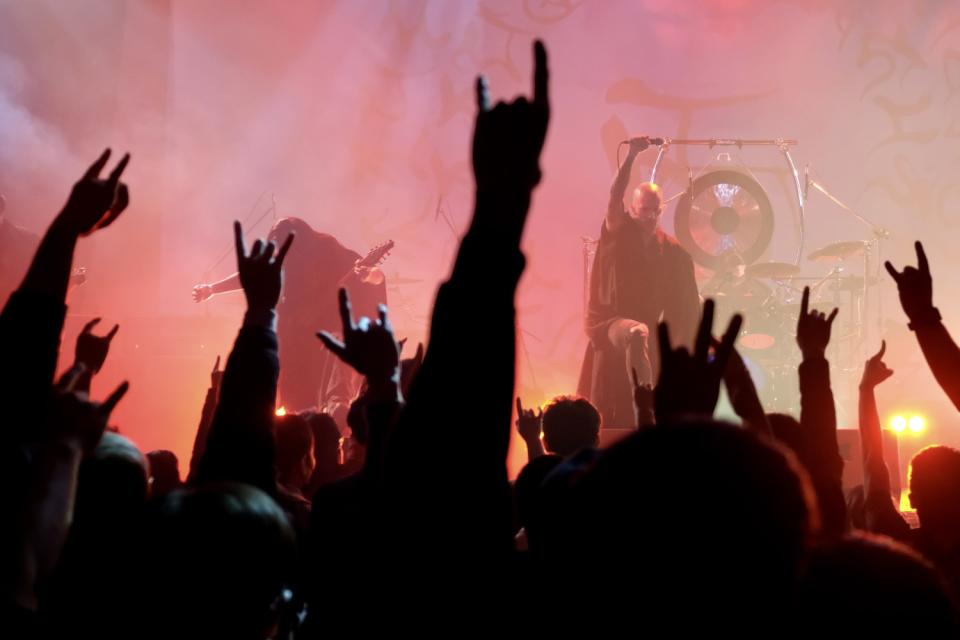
{"points": [[295, 450], [934, 487], [326, 449], [164, 472], [698, 512], [113, 479], [570, 423], [871, 586], [222, 557]]}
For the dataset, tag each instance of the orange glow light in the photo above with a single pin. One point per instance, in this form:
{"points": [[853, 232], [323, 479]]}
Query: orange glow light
{"points": [[898, 423], [917, 424]]}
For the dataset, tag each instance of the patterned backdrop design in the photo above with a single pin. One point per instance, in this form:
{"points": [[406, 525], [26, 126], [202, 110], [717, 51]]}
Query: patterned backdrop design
{"points": [[357, 116]]}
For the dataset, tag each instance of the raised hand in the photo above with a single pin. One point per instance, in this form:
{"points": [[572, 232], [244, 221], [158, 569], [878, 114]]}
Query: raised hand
{"points": [[915, 286], [202, 292], [875, 370], [642, 400], [690, 383], [91, 350], [508, 138], [261, 274], [813, 328], [639, 144], [368, 345], [72, 417], [95, 203], [528, 422]]}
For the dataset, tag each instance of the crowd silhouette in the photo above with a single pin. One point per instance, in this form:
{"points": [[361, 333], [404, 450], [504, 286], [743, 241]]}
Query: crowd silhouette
{"points": [[688, 525]]}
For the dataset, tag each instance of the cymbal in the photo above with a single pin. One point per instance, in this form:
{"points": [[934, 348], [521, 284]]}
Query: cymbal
{"points": [[772, 270], [838, 251], [852, 283]]}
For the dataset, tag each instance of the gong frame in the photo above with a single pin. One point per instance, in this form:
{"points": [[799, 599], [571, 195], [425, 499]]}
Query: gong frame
{"points": [[783, 145]]}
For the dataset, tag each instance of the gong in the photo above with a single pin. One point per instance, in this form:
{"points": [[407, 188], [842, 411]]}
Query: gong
{"points": [[722, 211]]}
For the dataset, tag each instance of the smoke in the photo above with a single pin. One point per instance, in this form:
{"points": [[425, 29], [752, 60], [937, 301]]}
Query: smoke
{"points": [[34, 155]]}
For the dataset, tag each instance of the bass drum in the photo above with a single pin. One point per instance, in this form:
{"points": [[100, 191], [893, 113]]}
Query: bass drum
{"points": [[766, 329], [762, 321]]}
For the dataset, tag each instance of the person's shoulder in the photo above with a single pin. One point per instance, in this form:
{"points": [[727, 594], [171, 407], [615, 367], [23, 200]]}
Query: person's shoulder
{"points": [[671, 244]]}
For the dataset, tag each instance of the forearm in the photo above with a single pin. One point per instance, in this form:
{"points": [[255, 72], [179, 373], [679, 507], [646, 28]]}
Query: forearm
{"points": [[31, 324], [49, 272], [534, 448], [230, 283], [748, 406], [618, 189], [203, 432], [497, 224], [743, 396], [477, 282], [240, 447], [818, 423], [446, 385], [462, 406], [384, 404], [943, 357], [818, 416], [876, 474], [620, 181]]}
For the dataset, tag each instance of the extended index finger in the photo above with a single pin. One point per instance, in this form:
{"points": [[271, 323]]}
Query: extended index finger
{"points": [[346, 312], [87, 328], [97, 167], [883, 350], [541, 75], [922, 263], [723, 353], [705, 332], [118, 170], [238, 240], [110, 403]]}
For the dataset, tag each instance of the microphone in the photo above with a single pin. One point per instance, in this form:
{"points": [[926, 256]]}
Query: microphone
{"points": [[658, 142]]}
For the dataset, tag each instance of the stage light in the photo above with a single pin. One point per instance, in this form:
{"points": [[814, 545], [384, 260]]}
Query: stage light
{"points": [[917, 424], [282, 411], [898, 423]]}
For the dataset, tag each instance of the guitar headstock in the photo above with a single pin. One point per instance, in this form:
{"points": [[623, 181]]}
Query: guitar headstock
{"points": [[376, 255]]}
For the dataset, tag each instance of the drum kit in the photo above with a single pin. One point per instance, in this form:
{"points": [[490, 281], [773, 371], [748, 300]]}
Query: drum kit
{"points": [[725, 220]]}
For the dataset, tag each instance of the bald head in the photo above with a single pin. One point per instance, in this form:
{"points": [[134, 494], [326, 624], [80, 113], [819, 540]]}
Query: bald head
{"points": [[648, 191], [647, 205]]}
